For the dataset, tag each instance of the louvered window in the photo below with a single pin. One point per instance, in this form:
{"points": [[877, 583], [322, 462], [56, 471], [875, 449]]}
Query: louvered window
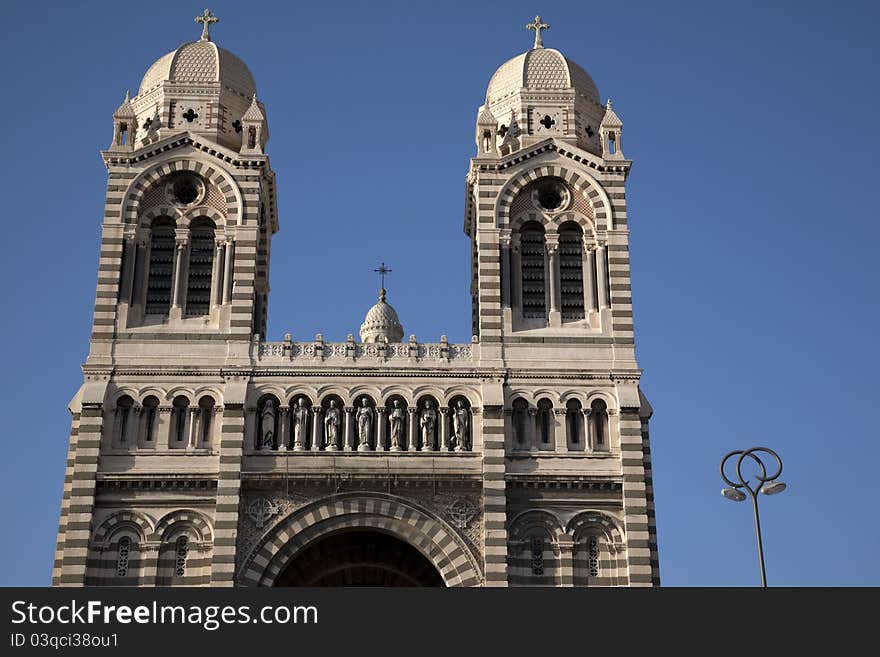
{"points": [[571, 274], [161, 268], [122, 555], [181, 553], [201, 263], [532, 250]]}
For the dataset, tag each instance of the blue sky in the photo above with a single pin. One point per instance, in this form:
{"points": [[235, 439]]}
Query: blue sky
{"points": [[754, 229]]}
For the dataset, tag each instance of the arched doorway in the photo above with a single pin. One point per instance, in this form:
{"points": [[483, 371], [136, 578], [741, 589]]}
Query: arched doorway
{"points": [[359, 558]]}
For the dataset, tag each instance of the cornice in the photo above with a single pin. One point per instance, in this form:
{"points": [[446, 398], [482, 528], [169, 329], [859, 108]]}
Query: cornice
{"points": [[549, 145], [114, 158]]}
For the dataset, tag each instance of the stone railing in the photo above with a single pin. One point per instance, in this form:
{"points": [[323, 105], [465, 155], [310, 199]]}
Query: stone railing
{"points": [[339, 352]]}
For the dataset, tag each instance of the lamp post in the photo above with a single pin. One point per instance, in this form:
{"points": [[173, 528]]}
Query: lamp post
{"points": [[768, 485]]}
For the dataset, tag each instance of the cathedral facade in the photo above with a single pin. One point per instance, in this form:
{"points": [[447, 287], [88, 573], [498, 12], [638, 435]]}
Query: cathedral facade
{"points": [[203, 454]]}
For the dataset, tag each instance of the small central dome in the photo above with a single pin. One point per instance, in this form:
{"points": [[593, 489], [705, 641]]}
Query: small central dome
{"points": [[381, 323], [200, 62], [538, 69]]}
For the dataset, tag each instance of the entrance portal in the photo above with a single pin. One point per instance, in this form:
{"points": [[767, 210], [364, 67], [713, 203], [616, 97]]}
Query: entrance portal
{"points": [[359, 558]]}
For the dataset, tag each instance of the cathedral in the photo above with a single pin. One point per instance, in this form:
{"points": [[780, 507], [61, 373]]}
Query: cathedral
{"points": [[204, 454]]}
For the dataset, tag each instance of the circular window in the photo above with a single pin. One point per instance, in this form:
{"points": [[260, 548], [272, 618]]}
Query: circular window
{"points": [[185, 189], [550, 195]]}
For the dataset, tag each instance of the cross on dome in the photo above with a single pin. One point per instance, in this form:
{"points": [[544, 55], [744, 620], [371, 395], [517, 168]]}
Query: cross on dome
{"points": [[206, 19], [537, 26], [382, 270]]}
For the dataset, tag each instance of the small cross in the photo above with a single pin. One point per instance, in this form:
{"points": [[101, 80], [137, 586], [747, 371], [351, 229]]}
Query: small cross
{"points": [[537, 26], [206, 19], [382, 270]]}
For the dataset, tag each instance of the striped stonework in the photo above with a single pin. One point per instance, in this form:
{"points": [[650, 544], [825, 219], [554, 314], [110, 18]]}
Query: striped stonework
{"points": [[228, 491], [408, 521], [638, 535], [494, 496], [65, 499]]}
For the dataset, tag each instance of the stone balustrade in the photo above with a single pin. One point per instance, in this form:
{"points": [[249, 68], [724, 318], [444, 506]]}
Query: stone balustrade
{"points": [[339, 352]]}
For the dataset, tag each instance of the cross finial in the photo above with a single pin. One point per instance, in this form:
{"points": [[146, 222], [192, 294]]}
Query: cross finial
{"points": [[537, 26], [382, 270], [206, 19]]}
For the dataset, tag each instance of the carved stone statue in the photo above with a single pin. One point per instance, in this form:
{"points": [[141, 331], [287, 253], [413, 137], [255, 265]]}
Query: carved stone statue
{"points": [[396, 418], [267, 421], [364, 419], [428, 422], [300, 425], [331, 426], [461, 422]]}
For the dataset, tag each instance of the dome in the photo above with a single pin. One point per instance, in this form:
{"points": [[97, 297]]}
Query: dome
{"points": [[381, 322], [540, 69], [200, 62]]}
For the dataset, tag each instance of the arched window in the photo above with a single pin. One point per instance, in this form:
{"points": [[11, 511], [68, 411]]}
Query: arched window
{"points": [[593, 556], [599, 418], [201, 264], [532, 249], [123, 552], [181, 551], [206, 419], [537, 546], [180, 408], [520, 423], [161, 266], [545, 422], [574, 423], [268, 414], [148, 418], [571, 271], [123, 418]]}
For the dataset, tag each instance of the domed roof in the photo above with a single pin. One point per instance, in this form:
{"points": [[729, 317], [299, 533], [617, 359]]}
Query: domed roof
{"points": [[540, 68], [200, 62], [381, 322]]}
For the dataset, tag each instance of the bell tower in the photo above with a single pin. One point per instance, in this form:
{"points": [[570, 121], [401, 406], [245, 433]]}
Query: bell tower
{"points": [[182, 280], [550, 283]]}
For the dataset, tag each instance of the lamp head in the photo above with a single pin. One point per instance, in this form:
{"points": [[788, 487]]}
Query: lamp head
{"points": [[774, 487], [733, 494]]}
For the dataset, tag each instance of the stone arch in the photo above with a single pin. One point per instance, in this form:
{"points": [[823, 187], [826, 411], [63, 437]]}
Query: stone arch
{"points": [[333, 390], [213, 391], [189, 162], [396, 390], [292, 393], [403, 519], [139, 522], [124, 391], [459, 391], [199, 212], [154, 391], [580, 181], [180, 391], [527, 521], [567, 395], [596, 520], [607, 397], [258, 392], [193, 519], [552, 223]]}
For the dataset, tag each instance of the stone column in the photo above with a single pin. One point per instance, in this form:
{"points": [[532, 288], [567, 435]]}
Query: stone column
{"points": [[228, 269], [553, 262], [215, 274], [412, 442], [444, 428], [283, 428], [317, 427], [129, 261], [515, 272], [179, 255], [602, 276], [380, 428], [561, 428], [588, 430], [141, 270], [250, 428], [348, 436], [589, 274], [534, 438], [191, 427]]}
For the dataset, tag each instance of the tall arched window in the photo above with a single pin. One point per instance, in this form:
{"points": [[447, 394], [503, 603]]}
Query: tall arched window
{"points": [[123, 419], [161, 266], [574, 424], [148, 418], [201, 264], [532, 249], [206, 419], [571, 271], [520, 423], [599, 418], [180, 407], [545, 422]]}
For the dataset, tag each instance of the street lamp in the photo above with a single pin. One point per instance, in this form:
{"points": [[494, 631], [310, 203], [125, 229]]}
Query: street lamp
{"points": [[766, 485]]}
